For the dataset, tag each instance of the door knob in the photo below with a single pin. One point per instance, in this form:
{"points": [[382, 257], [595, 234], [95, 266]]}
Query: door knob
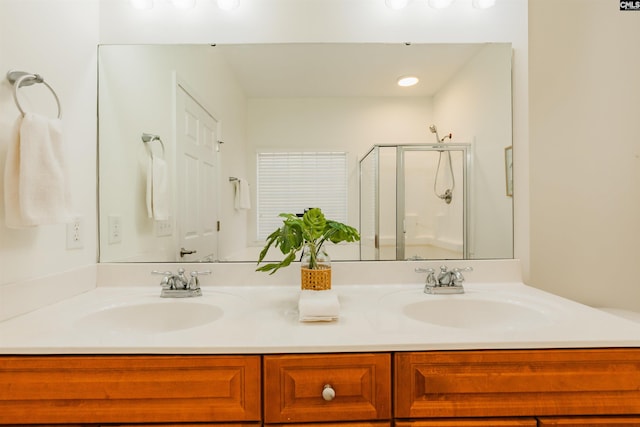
{"points": [[184, 252]]}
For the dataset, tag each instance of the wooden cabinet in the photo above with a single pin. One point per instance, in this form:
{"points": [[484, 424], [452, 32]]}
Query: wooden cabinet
{"points": [[521, 383], [327, 387], [129, 389], [590, 421], [497, 388]]}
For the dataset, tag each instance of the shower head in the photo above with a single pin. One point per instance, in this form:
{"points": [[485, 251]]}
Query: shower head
{"points": [[434, 129]]}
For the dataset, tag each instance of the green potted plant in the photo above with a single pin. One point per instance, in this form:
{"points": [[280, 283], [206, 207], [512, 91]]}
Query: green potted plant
{"points": [[307, 234]]}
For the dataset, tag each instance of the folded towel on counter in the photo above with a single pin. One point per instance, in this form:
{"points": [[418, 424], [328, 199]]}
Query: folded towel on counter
{"points": [[242, 198], [318, 306], [157, 189], [36, 184]]}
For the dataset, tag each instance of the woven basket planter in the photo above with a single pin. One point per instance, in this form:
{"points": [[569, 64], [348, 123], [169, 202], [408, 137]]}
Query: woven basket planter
{"points": [[318, 279]]}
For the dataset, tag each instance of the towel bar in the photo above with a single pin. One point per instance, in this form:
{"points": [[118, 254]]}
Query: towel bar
{"points": [[22, 78]]}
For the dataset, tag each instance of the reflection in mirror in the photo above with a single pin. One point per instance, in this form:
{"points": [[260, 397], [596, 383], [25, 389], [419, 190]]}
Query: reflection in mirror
{"points": [[415, 202], [201, 195]]}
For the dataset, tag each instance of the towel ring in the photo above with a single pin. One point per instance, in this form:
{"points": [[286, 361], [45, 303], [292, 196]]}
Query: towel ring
{"points": [[20, 78], [148, 138]]}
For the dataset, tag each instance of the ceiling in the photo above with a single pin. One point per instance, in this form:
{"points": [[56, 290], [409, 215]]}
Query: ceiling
{"points": [[344, 69]]}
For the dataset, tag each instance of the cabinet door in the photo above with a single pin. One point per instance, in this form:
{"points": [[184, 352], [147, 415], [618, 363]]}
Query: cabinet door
{"points": [[517, 383], [471, 422], [184, 425], [129, 389], [296, 387], [590, 421]]}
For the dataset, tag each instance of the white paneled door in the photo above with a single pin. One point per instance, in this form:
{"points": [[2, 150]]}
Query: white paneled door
{"points": [[196, 182]]}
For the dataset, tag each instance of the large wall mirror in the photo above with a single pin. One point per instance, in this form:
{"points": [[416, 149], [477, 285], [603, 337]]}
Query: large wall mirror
{"points": [[192, 136]]}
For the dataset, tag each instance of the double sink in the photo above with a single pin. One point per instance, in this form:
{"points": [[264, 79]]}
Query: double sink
{"points": [[263, 319], [475, 310]]}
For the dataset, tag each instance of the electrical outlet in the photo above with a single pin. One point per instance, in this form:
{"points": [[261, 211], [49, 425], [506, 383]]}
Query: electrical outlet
{"points": [[115, 229], [75, 232], [164, 228]]}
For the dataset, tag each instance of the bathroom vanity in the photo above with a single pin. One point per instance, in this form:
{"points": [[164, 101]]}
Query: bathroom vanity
{"points": [[408, 389], [501, 354]]}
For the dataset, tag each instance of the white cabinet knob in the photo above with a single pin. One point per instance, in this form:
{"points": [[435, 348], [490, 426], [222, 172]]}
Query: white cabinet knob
{"points": [[328, 393]]}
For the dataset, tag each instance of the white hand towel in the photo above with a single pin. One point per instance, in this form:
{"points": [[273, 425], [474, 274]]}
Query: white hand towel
{"points": [[149, 192], [242, 196], [36, 182], [318, 306], [157, 189]]}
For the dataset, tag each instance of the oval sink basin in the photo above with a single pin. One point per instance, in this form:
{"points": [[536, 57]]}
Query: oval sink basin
{"points": [[472, 313], [155, 317]]}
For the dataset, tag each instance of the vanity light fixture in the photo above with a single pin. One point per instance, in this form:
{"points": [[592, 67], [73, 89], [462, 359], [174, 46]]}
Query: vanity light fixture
{"points": [[440, 4], [406, 81], [396, 4], [141, 4], [228, 4], [483, 4], [183, 4]]}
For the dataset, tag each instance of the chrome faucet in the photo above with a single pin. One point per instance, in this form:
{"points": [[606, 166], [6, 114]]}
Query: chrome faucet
{"points": [[446, 282], [178, 285]]}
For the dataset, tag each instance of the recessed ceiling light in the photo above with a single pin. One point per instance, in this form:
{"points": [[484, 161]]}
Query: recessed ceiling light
{"points": [[407, 81], [396, 4]]}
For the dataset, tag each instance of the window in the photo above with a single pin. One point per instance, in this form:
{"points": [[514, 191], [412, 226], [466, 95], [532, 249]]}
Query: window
{"points": [[290, 182]]}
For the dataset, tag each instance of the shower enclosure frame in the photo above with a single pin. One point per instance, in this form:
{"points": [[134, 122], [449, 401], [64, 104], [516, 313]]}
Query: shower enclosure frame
{"points": [[401, 150]]}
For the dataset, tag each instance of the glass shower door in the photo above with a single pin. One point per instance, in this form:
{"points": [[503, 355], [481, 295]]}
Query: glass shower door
{"points": [[432, 201]]}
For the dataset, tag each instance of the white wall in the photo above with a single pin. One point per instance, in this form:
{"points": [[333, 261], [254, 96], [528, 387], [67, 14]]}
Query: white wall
{"points": [[129, 90], [585, 150], [57, 40]]}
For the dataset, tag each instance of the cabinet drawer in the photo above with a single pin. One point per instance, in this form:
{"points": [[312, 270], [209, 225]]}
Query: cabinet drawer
{"points": [[337, 424], [294, 385], [471, 422], [590, 422], [517, 383], [118, 389]]}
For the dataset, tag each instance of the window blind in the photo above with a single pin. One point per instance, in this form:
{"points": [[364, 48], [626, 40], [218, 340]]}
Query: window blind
{"points": [[290, 182]]}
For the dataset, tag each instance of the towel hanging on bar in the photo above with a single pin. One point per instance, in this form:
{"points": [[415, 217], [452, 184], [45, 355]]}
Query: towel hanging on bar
{"points": [[242, 198], [148, 138]]}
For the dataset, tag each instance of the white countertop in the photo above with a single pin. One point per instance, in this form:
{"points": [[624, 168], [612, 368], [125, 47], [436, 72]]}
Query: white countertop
{"points": [[264, 319]]}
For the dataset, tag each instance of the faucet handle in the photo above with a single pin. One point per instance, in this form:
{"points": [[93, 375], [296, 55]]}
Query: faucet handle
{"points": [[168, 281], [431, 278], [200, 273], [162, 273], [194, 283], [458, 278]]}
